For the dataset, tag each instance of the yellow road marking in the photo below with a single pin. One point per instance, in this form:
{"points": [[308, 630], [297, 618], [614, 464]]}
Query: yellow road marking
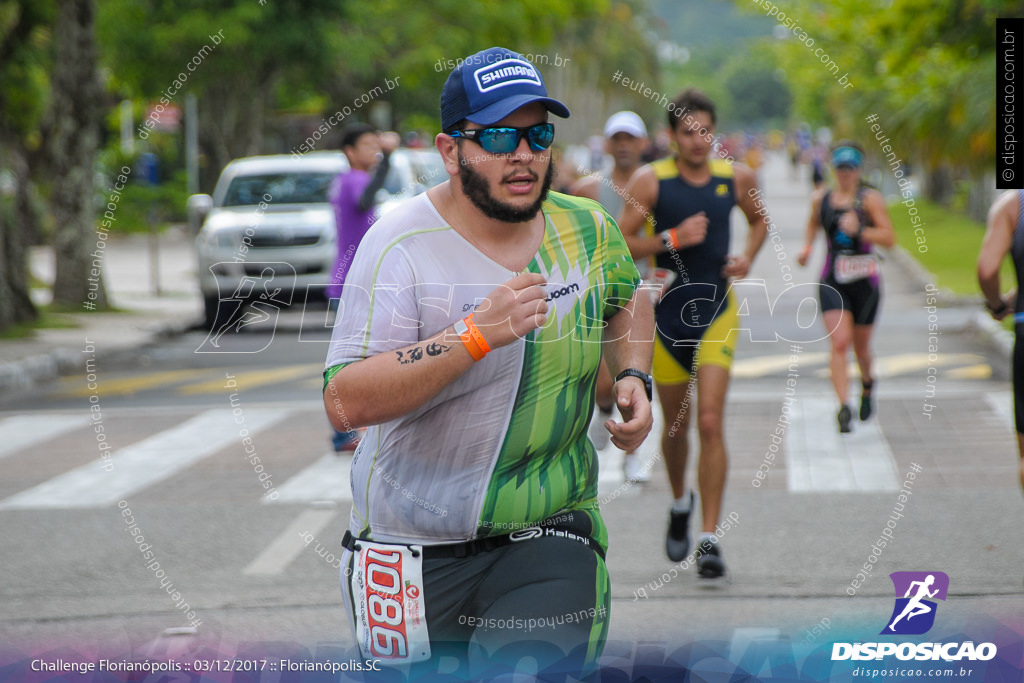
{"points": [[252, 378], [980, 371], [907, 363], [78, 385], [767, 365]]}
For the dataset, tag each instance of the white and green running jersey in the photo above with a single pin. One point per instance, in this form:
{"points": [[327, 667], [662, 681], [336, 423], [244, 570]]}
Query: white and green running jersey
{"points": [[505, 445]]}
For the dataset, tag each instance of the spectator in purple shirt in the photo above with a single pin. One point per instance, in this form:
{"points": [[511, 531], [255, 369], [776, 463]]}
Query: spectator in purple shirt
{"points": [[353, 195]]}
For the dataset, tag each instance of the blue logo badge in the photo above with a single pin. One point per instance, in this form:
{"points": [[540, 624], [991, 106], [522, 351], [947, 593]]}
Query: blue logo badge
{"points": [[914, 612]]}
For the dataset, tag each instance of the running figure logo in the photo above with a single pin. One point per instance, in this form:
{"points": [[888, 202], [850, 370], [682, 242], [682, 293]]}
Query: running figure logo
{"points": [[254, 300], [914, 613]]}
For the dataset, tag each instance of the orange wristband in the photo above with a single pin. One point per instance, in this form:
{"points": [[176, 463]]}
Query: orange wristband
{"points": [[477, 336], [468, 341], [671, 238]]}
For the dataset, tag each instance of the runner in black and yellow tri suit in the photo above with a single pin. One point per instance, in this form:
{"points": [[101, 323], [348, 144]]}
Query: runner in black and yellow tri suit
{"points": [[688, 200]]}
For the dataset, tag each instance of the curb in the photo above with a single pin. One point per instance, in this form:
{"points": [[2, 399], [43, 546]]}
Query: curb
{"points": [[32, 371], [923, 278], [981, 324], [992, 332]]}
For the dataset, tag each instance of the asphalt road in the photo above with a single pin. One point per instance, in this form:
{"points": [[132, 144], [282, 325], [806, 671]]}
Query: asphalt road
{"points": [[258, 571]]}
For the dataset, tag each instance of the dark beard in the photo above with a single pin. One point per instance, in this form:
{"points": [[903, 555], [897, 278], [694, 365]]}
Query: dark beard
{"points": [[475, 186]]}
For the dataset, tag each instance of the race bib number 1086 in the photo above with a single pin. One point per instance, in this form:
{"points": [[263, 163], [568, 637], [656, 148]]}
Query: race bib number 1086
{"points": [[387, 591]]}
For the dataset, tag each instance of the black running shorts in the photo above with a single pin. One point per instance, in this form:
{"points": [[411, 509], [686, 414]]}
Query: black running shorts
{"points": [[546, 598], [861, 298]]}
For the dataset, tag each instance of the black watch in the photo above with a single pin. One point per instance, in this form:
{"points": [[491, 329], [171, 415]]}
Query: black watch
{"points": [[997, 310], [648, 382]]}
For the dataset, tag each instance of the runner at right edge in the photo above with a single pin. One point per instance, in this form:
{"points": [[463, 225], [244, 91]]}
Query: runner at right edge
{"points": [[1005, 237], [855, 220]]}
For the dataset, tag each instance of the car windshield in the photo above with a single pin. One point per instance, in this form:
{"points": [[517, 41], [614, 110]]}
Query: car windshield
{"points": [[414, 173], [393, 181], [430, 170], [283, 188]]}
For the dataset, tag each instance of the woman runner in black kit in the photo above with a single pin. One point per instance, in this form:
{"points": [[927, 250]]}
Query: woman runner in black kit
{"points": [[855, 219]]}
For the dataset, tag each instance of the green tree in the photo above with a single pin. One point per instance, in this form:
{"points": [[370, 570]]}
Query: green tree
{"points": [[925, 68], [25, 31], [758, 93], [313, 57], [240, 59]]}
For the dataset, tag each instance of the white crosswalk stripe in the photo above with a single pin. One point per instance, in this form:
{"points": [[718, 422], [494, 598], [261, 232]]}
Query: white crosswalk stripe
{"points": [[144, 463], [325, 479], [289, 543], [21, 432], [819, 458]]}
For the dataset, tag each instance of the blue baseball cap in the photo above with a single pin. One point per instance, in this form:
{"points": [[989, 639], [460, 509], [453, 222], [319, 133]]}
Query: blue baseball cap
{"points": [[491, 84], [846, 156]]}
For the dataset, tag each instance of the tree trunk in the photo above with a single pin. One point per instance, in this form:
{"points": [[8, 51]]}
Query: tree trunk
{"points": [[73, 142], [15, 216], [981, 195], [940, 184], [235, 126]]}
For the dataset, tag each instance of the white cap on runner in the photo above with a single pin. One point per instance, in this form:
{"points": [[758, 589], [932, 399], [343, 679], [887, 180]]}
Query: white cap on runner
{"points": [[625, 122]]}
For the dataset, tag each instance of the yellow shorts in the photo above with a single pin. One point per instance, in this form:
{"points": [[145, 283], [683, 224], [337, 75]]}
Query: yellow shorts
{"points": [[672, 365]]}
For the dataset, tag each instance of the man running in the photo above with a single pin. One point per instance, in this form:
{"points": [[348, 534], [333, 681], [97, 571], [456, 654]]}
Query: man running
{"points": [[1005, 237], [690, 198], [625, 139], [469, 341]]}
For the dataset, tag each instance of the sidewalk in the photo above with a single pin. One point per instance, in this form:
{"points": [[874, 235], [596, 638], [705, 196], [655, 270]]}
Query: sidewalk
{"points": [[143, 320]]}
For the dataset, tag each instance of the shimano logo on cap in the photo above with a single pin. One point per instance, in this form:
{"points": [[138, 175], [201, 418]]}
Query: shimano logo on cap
{"points": [[506, 72]]}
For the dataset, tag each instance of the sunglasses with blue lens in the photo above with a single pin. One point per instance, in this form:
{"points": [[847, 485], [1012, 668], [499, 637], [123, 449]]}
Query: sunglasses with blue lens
{"points": [[505, 140]]}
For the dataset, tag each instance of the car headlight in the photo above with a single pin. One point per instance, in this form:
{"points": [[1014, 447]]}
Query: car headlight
{"points": [[220, 239]]}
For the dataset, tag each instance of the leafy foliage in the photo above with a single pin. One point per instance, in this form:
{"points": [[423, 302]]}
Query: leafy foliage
{"points": [[924, 67]]}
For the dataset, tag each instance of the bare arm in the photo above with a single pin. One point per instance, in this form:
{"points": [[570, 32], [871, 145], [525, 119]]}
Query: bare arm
{"points": [[396, 382], [587, 186], [629, 344], [391, 384], [746, 189], [813, 225], [997, 243]]}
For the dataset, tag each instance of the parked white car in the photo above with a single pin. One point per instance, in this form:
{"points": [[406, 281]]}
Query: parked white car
{"points": [[267, 209], [275, 209]]}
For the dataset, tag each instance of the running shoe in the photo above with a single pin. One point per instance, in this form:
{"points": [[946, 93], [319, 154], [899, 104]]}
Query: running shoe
{"points": [[844, 417], [709, 560], [677, 541], [865, 400], [598, 434], [633, 469]]}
